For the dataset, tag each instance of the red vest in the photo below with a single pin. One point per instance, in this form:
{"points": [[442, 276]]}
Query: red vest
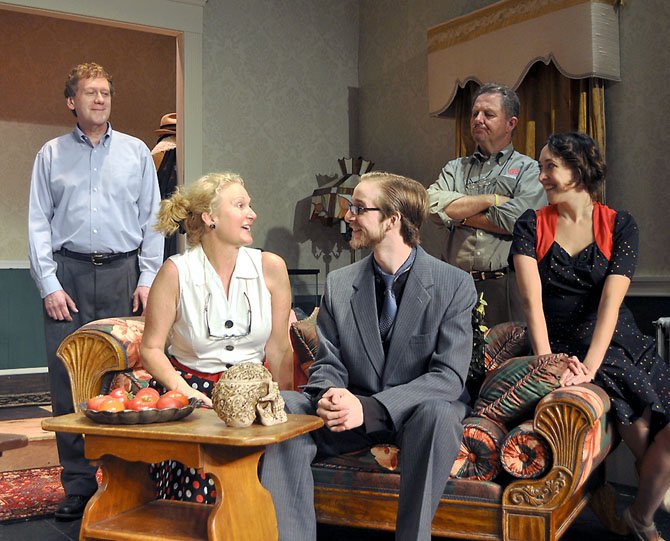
{"points": [[603, 228]]}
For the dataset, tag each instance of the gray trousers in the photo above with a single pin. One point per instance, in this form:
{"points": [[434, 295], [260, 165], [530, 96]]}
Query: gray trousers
{"points": [[429, 441], [503, 299], [99, 292]]}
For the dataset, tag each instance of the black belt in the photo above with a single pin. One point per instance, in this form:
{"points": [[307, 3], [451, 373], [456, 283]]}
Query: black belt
{"points": [[488, 275], [97, 259]]}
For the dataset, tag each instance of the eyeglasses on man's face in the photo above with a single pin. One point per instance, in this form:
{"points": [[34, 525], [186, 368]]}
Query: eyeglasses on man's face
{"points": [[228, 323], [357, 210]]}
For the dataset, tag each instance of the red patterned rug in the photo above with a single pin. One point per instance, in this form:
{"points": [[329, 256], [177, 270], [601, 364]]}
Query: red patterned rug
{"points": [[30, 493]]}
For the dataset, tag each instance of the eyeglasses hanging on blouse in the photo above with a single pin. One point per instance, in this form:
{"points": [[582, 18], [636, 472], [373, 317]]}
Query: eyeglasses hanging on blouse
{"points": [[228, 323]]}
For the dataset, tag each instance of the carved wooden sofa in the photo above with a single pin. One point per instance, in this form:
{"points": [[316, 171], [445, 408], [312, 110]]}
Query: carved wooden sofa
{"points": [[361, 489]]}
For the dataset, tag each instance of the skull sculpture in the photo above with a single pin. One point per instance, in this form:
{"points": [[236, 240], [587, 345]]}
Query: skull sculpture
{"points": [[244, 391]]}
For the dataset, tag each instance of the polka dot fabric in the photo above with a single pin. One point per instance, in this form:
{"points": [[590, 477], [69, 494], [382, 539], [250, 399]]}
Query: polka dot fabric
{"points": [[173, 480], [632, 374]]}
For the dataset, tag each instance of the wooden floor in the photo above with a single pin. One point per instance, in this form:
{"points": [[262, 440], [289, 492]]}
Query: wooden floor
{"points": [[41, 451], [586, 527]]}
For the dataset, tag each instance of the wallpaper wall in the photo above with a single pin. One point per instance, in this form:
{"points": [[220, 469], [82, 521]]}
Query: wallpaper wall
{"points": [[292, 85], [397, 133], [279, 106], [638, 138], [37, 53]]}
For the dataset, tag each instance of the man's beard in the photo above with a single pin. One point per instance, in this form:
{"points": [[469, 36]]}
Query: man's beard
{"points": [[366, 239]]}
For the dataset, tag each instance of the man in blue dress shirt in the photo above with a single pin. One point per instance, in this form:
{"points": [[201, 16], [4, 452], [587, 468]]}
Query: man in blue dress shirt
{"points": [[93, 249]]}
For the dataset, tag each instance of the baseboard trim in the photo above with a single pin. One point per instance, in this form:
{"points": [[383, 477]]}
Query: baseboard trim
{"points": [[21, 371], [650, 286], [12, 384]]}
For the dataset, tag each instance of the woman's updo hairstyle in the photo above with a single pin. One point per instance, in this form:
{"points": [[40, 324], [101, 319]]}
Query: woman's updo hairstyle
{"points": [[183, 209], [581, 154]]}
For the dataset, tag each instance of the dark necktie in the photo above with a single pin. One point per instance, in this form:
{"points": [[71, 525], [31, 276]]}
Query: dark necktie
{"points": [[389, 307]]}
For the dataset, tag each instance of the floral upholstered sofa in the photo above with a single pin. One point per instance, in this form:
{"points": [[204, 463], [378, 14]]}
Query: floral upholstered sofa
{"points": [[532, 455]]}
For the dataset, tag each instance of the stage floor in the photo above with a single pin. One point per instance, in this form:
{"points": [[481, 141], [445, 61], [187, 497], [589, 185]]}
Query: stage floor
{"points": [[586, 526]]}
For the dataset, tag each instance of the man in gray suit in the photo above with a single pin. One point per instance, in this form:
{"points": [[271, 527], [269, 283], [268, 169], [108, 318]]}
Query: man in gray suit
{"points": [[395, 337]]}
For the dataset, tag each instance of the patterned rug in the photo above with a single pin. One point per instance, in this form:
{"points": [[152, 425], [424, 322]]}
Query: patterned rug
{"points": [[25, 399], [30, 493]]}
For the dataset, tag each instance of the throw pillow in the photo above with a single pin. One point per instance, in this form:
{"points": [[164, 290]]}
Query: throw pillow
{"points": [[305, 343], [510, 393], [479, 455], [386, 455], [503, 342], [524, 453]]}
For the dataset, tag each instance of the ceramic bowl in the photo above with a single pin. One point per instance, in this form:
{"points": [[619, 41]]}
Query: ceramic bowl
{"points": [[131, 417]]}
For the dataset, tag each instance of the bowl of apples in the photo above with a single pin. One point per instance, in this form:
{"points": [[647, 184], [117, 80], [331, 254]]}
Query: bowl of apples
{"points": [[120, 407]]}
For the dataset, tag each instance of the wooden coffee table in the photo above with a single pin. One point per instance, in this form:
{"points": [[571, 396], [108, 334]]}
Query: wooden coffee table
{"points": [[124, 507]]}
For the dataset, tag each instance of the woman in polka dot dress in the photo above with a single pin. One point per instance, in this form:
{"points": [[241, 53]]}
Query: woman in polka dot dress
{"points": [[220, 303], [574, 261]]}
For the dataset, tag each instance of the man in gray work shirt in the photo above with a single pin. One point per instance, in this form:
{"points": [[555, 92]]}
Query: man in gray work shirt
{"points": [[479, 197], [93, 249]]}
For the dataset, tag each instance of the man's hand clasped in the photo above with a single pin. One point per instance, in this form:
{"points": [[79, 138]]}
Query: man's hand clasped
{"points": [[340, 410]]}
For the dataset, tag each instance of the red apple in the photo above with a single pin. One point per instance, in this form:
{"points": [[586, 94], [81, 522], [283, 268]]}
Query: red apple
{"points": [[165, 402], [144, 402], [119, 392], [181, 397], [95, 402], [148, 390], [111, 403]]}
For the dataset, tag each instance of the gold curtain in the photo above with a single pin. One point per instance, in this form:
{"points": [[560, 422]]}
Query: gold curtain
{"points": [[550, 102]]}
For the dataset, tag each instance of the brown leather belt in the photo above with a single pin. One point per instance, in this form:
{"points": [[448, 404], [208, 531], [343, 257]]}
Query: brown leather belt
{"points": [[488, 275], [96, 259]]}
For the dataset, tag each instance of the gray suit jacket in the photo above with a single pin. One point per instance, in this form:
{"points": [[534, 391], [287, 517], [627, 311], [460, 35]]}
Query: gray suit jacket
{"points": [[431, 345]]}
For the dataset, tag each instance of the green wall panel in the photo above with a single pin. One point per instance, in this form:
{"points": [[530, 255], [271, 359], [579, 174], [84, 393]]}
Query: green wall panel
{"points": [[21, 326]]}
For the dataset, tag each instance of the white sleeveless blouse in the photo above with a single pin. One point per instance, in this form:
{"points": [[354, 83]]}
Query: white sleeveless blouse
{"points": [[212, 331]]}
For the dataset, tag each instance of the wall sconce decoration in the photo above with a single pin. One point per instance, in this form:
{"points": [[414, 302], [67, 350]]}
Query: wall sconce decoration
{"points": [[330, 202]]}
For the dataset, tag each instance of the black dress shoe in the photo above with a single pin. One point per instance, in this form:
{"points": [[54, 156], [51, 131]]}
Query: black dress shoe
{"points": [[72, 507]]}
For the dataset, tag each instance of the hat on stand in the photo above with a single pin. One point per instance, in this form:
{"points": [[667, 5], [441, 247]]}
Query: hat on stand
{"points": [[168, 124]]}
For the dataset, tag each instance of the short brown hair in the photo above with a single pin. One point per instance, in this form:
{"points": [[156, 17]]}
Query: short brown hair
{"points": [[405, 196], [508, 98], [89, 70], [581, 154], [183, 210]]}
